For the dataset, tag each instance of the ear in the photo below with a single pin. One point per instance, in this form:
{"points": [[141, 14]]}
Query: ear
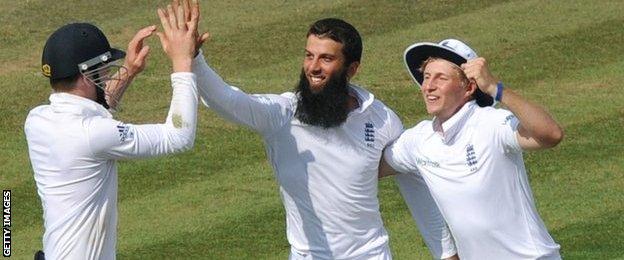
{"points": [[352, 69], [471, 88]]}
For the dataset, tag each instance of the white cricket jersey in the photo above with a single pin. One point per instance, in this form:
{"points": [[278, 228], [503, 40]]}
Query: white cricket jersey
{"points": [[327, 177], [475, 172], [73, 144]]}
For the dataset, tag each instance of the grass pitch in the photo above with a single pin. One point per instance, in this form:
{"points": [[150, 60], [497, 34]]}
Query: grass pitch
{"points": [[220, 201]]}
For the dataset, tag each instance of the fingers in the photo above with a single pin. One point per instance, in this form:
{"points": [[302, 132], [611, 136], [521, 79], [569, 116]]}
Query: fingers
{"points": [[194, 9], [175, 4], [164, 19], [477, 70], [203, 38], [187, 10], [142, 54], [144, 32], [173, 23], [137, 40], [163, 40], [473, 68], [180, 18], [193, 17]]}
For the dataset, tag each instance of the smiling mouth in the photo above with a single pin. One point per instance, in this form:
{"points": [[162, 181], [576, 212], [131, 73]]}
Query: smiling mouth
{"points": [[431, 98], [315, 80]]}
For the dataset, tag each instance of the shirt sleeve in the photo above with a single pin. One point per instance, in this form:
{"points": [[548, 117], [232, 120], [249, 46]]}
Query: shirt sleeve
{"points": [[397, 155], [262, 113], [417, 196], [396, 126], [426, 214], [506, 130], [112, 139]]}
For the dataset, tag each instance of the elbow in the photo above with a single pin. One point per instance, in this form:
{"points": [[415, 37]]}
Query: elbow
{"points": [[185, 144], [554, 138], [181, 141]]}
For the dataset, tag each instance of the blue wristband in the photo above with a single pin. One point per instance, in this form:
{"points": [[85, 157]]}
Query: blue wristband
{"points": [[499, 91]]}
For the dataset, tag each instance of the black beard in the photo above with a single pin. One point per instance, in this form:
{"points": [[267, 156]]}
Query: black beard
{"points": [[328, 107]]}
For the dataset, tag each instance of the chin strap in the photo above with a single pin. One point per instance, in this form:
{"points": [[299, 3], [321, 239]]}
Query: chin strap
{"points": [[101, 97]]}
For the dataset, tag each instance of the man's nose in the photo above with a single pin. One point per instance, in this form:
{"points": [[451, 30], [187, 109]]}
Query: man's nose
{"points": [[314, 66], [429, 85]]}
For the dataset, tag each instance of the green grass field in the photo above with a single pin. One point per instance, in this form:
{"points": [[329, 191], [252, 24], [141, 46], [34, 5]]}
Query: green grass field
{"points": [[220, 200]]}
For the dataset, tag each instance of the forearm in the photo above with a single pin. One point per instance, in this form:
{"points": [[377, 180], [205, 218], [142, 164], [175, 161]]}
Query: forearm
{"points": [[454, 257], [534, 119], [426, 214], [182, 117], [385, 169], [112, 139], [259, 113], [211, 87], [116, 88]]}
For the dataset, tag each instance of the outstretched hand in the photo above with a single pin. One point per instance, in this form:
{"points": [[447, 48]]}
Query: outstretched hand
{"points": [[134, 63], [178, 38], [136, 54], [191, 10]]}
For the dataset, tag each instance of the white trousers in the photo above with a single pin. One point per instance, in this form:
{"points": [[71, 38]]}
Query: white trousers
{"points": [[383, 254]]}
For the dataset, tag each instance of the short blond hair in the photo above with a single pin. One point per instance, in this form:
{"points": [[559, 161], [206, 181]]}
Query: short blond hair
{"points": [[458, 71]]}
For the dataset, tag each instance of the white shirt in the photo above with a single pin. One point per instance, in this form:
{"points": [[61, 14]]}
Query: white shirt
{"points": [[327, 177], [73, 144], [476, 175]]}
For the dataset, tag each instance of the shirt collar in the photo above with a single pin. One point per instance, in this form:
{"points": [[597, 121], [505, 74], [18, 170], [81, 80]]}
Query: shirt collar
{"points": [[364, 98], [70, 103], [452, 126]]}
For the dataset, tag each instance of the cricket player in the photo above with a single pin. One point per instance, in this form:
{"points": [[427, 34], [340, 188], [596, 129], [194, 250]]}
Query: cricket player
{"points": [[470, 154], [324, 141], [74, 142]]}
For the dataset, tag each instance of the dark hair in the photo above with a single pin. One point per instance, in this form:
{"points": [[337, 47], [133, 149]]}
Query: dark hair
{"points": [[342, 32]]}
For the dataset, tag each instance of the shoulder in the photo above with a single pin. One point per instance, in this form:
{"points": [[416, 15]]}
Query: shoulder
{"points": [[288, 95], [38, 110], [489, 116], [35, 112], [383, 117], [103, 131], [423, 126], [377, 105], [35, 120]]}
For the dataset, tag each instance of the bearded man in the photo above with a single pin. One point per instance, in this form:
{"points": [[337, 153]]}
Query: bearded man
{"points": [[324, 142]]}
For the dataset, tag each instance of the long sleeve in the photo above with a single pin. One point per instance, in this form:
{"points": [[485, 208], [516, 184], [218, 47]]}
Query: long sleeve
{"points": [[112, 139], [427, 216], [262, 113], [417, 196]]}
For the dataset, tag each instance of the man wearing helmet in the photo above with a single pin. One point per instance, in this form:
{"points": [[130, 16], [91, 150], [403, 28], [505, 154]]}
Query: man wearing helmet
{"points": [[74, 142]]}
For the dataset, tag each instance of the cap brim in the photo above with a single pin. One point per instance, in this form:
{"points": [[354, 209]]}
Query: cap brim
{"points": [[117, 54], [416, 54]]}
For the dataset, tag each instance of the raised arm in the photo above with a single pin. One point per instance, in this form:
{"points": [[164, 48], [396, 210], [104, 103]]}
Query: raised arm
{"points": [[113, 139], [262, 113], [134, 63], [537, 128]]}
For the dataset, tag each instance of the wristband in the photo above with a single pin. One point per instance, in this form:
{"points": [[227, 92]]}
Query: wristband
{"points": [[499, 91]]}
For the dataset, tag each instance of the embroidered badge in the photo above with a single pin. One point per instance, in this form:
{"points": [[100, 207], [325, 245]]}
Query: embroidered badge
{"points": [[471, 158], [369, 134], [508, 119], [124, 132]]}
